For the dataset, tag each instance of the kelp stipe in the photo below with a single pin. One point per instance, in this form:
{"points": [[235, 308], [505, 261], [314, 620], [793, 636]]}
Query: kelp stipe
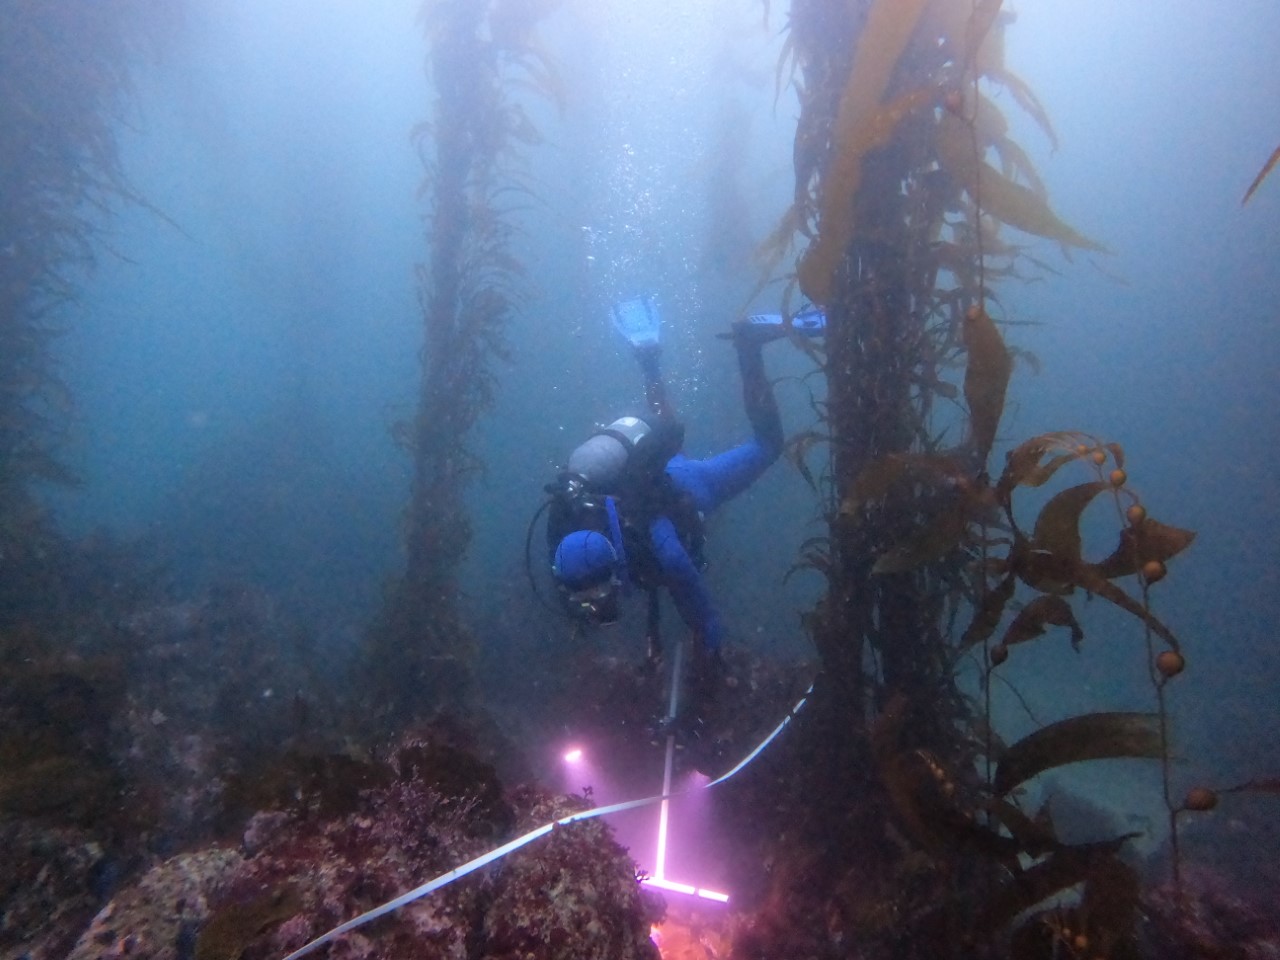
{"points": [[480, 54]]}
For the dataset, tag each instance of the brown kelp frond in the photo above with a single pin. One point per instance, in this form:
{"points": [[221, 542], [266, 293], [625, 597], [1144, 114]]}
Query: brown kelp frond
{"points": [[878, 479], [1023, 465], [779, 243], [989, 612], [1050, 558], [942, 495], [961, 29], [541, 74], [797, 450], [1092, 736], [1016, 165], [1007, 201], [1262, 175], [986, 379], [932, 541], [906, 182], [1055, 573], [1057, 529], [785, 71], [1025, 98], [815, 555], [984, 36], [926, 797], [862, 125], [1035, 835], [1066, 867], [1146, 541], [1042, 612]]}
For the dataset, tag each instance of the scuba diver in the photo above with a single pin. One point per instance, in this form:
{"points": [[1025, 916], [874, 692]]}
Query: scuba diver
{"points": [[626, 513]]}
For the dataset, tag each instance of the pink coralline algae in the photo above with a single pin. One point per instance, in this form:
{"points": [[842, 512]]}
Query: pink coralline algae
{"points": [[156, 918], [570, 895], [573, 895]]}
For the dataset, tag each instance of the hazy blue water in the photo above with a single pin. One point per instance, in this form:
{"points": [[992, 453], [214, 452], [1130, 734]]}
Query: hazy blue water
{"points": [[238, 378]]}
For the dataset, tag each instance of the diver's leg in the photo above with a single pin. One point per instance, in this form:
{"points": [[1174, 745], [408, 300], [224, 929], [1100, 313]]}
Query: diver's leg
{"points": [[655, 390], [716, 479]]}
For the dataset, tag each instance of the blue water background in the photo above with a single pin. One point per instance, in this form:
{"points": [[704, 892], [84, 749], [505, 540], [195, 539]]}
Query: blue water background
{"points": [[238, 371]]}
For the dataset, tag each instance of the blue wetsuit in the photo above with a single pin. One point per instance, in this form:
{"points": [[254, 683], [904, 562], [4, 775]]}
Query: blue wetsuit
{"points": [[709, 483]]}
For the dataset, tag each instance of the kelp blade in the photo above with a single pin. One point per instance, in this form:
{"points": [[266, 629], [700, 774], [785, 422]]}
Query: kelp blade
{"points": [[932, 541], [1259, 785], [1008, 202], [986, 379], [888, 27], [1057, 528], [1262, 175], [1043, 611], [1023, 467], [957, 23], [1112, 893], [989, 612], [1149, 540], [1065, 868], [1084, 577], [1092, 736]]}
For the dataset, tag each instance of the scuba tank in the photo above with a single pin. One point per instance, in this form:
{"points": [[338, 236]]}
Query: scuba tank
{"points": [[622, 463], [601, 462]]}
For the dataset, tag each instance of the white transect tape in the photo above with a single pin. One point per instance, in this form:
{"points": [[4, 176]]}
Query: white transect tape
{"points": [[484, 860]]}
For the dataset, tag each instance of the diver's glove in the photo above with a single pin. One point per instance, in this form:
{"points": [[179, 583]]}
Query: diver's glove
{"points": [[688, 730], [764, 327]]}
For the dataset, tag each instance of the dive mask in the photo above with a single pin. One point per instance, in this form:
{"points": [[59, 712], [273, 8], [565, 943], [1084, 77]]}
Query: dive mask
{"points": [[597, 604]]}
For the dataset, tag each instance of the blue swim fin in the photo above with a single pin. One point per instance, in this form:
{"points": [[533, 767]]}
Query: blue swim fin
{"points": [[638, 320]]}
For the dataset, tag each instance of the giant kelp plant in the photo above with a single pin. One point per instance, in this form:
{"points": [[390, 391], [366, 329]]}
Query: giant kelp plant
{"points": [[64, 82], [903, 811], [64, 85], [480, 53], [63, 75]]}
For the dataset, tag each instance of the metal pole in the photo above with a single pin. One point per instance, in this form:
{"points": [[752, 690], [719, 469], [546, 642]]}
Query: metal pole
{"points": [[660, 861]]}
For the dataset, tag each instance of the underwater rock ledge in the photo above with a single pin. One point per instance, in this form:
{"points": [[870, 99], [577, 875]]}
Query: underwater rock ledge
{"points": [[299, 873]]}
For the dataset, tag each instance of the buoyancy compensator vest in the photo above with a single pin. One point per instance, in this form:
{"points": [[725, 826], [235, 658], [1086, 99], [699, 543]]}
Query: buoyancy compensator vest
{"points": [[615, 483]]}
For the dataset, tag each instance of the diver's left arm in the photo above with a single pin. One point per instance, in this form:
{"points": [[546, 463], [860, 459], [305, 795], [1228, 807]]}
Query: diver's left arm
{"points": [[683, 579]]}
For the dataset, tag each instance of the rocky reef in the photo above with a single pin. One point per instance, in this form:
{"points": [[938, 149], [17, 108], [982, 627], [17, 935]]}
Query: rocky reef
{"points": [[1211, 918], [178, 783], [368, 831]]}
